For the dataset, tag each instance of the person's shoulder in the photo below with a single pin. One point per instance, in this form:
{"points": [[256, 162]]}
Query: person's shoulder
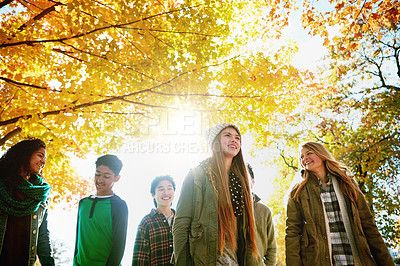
{"points": [[198, 172], [84, 199], [201, 167], [261, 207], [118, 203], [118, 199], [149, 218]]}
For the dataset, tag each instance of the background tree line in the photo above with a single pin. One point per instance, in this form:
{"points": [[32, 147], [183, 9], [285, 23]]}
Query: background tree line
{"points": [[91, 76]]}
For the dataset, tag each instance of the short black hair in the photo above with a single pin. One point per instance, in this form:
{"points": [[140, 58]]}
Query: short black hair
{"points": [[250, 170], [157, 180], [111, 161]]}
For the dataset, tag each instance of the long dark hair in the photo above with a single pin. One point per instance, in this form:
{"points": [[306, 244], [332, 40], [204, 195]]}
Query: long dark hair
{"points": [[226, 217], [18, 158]]}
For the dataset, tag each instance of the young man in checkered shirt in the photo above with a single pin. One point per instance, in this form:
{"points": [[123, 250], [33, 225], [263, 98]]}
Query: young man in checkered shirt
{"points": [[154, 244]]}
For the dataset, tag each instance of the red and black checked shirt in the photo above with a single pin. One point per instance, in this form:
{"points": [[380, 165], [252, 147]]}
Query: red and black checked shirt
{"points": [[153, 244]]}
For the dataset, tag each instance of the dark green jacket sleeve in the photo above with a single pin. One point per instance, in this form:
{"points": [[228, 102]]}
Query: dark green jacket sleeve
{"points": [[77, 230], [119, 214], [44, 246]]}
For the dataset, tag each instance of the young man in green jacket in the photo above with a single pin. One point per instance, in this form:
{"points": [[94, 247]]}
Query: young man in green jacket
{"points": [[102, 219]]}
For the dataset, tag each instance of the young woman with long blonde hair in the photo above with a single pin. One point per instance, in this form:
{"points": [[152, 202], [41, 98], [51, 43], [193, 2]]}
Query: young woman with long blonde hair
{"points": [[328, 220], [214, 222]]}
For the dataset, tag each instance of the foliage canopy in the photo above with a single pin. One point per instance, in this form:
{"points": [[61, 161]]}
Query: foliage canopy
{"points": [[91, 76]]}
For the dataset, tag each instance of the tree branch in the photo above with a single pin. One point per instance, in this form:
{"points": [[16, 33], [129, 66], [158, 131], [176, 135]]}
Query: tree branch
{"points": [[40, 15], [93, 31], [289, 164], [69, 54], [120, 97], [4, 3], [170, 31], [104, 57], [10, 135], [379, 73], [110, 99], [23, 84], [396, 56]]}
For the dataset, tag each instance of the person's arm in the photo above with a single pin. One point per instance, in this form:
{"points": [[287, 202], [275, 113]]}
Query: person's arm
{"points": [[182, 222], [77, 229], [376, 244], [141, 250], [270, 255], [119, 214], [44, 246], [294, 225]]}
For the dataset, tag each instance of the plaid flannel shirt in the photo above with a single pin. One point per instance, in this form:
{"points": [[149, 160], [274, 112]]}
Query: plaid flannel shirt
{"points": [[341, 249], [153, 244]]}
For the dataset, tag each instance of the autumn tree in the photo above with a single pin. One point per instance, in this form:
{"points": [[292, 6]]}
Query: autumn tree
{"points": [[91, 76], [359, 119], [365, 69]]}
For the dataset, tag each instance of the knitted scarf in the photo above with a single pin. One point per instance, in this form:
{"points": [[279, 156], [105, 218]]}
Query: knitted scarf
{"points": [[35, 193]]}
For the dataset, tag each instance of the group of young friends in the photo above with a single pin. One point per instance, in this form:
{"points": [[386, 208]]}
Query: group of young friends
{"points": [[218, 220]]}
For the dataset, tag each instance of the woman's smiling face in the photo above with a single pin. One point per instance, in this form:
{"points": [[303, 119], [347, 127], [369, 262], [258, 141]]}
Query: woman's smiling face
{"points": [[230, 142], [310, 160], [37, 161]]}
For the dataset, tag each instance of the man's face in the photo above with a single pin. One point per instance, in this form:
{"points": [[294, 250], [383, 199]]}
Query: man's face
{"points": [[164, 193], [104, 180]]}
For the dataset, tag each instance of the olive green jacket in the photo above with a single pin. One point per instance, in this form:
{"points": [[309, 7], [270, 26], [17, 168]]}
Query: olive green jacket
{"points": [[306, 233], [195, 229], [265, 232]]}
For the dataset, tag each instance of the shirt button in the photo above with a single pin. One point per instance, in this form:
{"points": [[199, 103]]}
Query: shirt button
{"points": [[33, 247], [34, 232], [324, 237], [170, 246], [34, 216]]}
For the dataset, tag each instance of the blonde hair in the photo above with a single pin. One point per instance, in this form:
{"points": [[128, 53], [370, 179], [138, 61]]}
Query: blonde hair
{"points": [[332, 166], [226, 217]]}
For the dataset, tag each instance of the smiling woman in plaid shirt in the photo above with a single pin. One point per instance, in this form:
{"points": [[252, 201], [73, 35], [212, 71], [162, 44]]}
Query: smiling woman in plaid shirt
{"points": [[328, 220], [154, 244]]}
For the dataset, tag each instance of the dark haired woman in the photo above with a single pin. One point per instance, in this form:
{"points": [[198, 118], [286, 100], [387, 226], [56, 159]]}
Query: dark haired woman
{"points": [[23, 205], [214, 222], [328, 220]]}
